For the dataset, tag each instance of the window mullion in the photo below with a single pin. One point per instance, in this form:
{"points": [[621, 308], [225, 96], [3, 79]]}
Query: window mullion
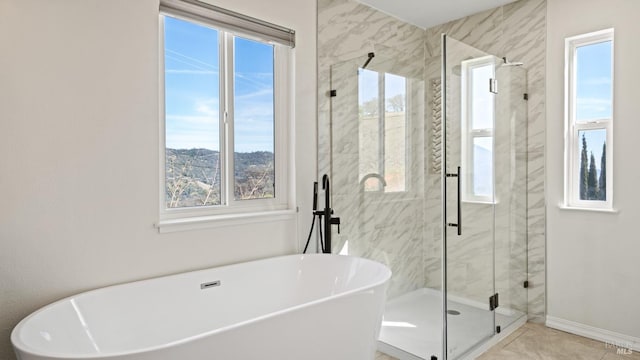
{"points": [[222, 110], [227, 79], [600, 124], [488, 132]]}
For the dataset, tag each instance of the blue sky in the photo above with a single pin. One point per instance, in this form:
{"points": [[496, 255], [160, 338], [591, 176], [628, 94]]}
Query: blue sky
{"points": [[368, 85], [192, 74], [593, 81]]}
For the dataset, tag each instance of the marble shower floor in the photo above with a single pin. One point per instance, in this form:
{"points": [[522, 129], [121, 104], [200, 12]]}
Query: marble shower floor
{"points": [[535, 341], [411, 328]]}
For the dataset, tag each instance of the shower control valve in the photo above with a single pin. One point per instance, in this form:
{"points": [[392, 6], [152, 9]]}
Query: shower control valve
{"points": [[336, 221]]}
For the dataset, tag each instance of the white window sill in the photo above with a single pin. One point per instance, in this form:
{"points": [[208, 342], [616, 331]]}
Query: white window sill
{"points": [[214, 221], [575, 208]]}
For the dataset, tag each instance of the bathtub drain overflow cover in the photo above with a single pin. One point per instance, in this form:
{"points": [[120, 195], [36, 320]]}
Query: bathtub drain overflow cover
{"points": [[210, 284]]}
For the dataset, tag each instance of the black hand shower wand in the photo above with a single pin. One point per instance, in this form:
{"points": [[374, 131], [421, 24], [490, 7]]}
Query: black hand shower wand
{"points": [[315, 207]]}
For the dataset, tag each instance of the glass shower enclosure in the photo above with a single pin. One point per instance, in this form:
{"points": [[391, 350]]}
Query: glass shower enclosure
{"points": [[428, 167]]}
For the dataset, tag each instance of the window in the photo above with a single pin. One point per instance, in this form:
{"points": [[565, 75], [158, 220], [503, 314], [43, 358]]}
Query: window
{"points": [[225, 120], [382, 102], [478, 107], [589, 120]]}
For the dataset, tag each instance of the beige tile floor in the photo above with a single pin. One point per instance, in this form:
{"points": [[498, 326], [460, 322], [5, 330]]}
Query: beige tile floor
{"points": [[533, 341]]}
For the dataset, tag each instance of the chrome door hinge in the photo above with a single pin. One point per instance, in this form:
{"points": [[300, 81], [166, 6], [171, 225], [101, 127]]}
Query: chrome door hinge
{"points": [[493, 302], [493, 86]]}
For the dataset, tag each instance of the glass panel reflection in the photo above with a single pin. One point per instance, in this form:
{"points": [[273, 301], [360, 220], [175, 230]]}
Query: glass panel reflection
{"points": [[382, 103]]}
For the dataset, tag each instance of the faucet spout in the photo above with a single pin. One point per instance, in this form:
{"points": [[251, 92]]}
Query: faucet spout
{"points": [[373, 175], [327, 191]]}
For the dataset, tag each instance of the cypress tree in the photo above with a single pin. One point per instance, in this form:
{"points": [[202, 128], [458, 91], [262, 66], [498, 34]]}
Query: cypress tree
{"points": [[602, 184], [584, 170], [592, 180]]}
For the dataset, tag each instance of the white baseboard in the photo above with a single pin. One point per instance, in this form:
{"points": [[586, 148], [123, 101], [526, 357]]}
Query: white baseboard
{"points": [[611, 338]]}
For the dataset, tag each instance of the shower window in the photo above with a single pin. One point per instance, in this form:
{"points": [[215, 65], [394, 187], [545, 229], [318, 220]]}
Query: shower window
{"points": [[225, 129], [589, 109], [382, 104], [478, 108]]}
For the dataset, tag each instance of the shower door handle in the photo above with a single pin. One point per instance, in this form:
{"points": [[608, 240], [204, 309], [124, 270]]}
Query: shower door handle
{"points": [[459, 223]]}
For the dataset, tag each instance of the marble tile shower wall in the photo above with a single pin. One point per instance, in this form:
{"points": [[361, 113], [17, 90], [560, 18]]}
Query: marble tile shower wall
{"points": [[405, 232], [516, 31], [391, 233]]}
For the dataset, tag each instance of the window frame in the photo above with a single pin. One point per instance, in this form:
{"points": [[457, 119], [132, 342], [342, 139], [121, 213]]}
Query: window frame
{"points": [[573, 143], [282, 83], [382, 121], [468, 134]]}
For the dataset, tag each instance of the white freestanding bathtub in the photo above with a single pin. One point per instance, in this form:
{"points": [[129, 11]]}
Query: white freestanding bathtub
{"points": [[292, 307]]}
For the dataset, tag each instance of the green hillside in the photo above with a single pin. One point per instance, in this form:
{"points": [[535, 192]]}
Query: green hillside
{"points": [[193, 176]]}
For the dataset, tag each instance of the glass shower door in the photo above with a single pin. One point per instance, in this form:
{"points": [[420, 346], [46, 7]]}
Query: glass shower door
{"points": [[468, 175]]}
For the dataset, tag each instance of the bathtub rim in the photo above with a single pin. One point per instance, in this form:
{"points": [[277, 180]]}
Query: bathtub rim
{"points": [[15, 339]]}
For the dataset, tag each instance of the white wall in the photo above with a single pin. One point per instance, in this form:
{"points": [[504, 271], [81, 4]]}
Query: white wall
{"points": [[593, 265], [79, 151]]}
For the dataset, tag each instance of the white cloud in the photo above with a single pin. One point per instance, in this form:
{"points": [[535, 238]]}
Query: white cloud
{"points": [[602, 80], [263, 92], [260, 80], [188, 60], [591, 108], [190, 139], [199, 128], [191, 120], [208, 107]]}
